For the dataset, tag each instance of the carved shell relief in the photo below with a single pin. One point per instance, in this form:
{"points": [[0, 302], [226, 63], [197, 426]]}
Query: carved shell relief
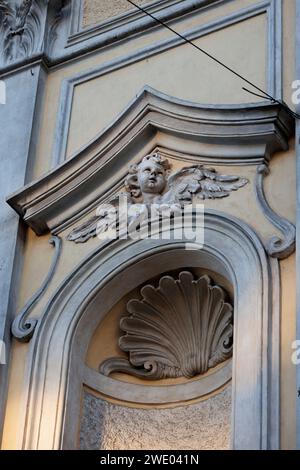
{"points": [[183, 327]]}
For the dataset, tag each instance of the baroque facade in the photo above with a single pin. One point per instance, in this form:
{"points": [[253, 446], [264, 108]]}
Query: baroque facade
{"points": [[149, 223]]}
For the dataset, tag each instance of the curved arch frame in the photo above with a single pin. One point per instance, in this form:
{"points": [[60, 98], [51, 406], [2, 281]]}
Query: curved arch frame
{"points": [[69, 321]]}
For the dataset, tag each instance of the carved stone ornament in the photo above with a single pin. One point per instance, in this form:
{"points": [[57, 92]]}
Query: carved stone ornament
{"points": [[181, 328], [245, 134], [29, 27], [277, 247], [23, 327], [151, 183], [20, 28]]}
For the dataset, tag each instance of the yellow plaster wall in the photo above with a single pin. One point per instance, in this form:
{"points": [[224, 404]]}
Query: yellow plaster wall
{"points": [[96, 102], [183, 73]]}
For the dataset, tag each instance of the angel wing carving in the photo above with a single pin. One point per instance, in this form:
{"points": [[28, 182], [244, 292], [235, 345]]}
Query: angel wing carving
{"points": [[104, 220], [206, 183], [174, 191]]}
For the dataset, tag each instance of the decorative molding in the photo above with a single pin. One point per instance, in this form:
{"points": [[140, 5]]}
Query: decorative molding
{"points": [[59, 11], [180, 328], [76, 19], [79, 32], [247, 132], [23, 328], [56, 363], [275, 48], [276, 247], [152, 394], [83, 40], [76, 42], [150, 185], [274, 67]]}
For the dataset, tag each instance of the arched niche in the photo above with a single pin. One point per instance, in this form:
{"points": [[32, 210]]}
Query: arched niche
{"points": [[137, 408], [57, 369]]}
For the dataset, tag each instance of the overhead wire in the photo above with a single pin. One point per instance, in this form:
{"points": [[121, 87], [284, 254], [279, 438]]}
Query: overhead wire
{"points": [[264, 94]]}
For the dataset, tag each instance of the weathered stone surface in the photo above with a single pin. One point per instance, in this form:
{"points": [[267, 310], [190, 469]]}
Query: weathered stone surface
{"points": [[96, 11], [205, 425]]}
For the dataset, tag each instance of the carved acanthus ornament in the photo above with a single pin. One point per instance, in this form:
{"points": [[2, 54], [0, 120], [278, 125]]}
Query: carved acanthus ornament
{"points": [[20, 28], [183, 327], [151, 182], [23, 27]]}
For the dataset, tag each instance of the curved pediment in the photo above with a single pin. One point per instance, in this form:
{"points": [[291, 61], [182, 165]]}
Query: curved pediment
{"points": [[235, 134]]}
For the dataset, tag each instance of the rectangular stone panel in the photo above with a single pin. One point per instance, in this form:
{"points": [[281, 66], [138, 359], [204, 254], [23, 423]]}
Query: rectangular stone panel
{"points": [[96, 11]]}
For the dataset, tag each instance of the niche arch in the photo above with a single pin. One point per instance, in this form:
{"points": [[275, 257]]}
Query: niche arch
{"points": [[58, 349]]}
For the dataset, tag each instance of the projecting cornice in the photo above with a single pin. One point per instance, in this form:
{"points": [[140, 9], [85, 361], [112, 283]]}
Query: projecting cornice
{"points": [[236, 134], [51, 32]]}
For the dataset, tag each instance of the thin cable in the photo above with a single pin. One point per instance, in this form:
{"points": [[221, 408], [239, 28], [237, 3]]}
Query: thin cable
{"points": [[265, 94], [255, 94], [282, 103]]}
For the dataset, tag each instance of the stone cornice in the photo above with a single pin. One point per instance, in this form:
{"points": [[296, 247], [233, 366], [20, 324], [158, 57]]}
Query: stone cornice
{"points": [[58, 36], [52, 29], [247, 133]]}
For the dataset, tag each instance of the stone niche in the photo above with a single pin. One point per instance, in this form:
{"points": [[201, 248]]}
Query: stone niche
{"points": [[86, 362], [173, 333]]}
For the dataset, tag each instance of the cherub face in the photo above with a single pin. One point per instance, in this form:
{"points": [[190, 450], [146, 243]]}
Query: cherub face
{"points": [[151, 177]]}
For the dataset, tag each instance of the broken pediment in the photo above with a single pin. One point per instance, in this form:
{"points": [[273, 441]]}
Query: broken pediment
{"points": [[231, 134]]}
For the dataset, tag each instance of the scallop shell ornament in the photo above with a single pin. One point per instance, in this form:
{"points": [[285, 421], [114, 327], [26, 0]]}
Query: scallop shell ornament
{"points": [[183, 327]]}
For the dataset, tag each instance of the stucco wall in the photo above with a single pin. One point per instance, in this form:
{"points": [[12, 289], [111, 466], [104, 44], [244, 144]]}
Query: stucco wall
{"points": [[109, 83], [184, 73], [202, 426]]}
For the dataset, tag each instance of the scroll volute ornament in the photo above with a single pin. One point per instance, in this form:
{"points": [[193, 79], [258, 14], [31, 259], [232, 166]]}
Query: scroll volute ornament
{"points": [[183, 327]]}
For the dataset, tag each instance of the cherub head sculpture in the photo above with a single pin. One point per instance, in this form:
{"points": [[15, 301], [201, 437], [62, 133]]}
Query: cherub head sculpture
{"points": [[150, 180], [149, 177]]}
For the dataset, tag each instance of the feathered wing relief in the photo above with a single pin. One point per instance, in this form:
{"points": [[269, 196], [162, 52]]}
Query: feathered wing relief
{"points": [[181, 328], [105, 220], [149, 183], [206, 183]]}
